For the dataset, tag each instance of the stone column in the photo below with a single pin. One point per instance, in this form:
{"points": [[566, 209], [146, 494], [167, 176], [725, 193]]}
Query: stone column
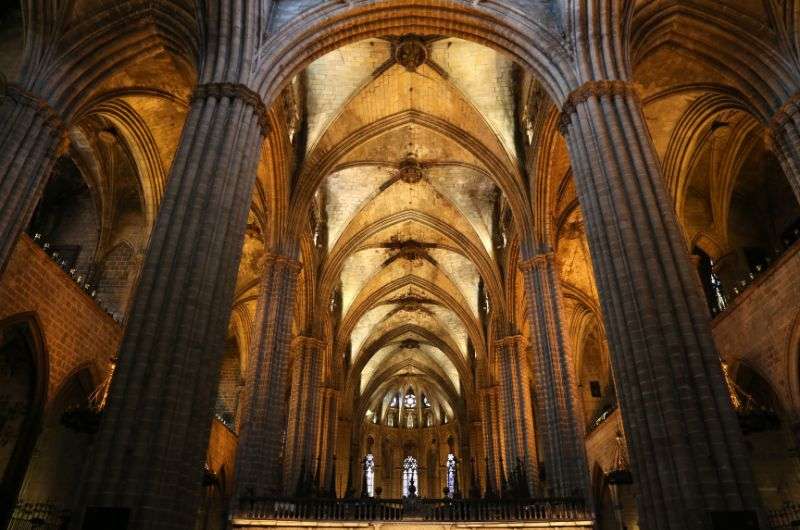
{"points": [[517, 409], [302, 417], [328, 422], [473, 465], [147, 459], [557, 405], [491, 438], [785, 130], [31, 137], [259, 466], [684, 441]]}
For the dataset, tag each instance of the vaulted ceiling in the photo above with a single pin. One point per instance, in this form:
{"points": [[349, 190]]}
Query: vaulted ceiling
{"points": [[405, 137]]}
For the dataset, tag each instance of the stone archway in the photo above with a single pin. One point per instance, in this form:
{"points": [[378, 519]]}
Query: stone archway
{"points": [[60, 451], [24, 372]]}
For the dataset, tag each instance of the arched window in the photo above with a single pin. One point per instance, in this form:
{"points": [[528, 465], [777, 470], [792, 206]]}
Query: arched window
{"points": [[712, 286], [410, 475], [410, 419], [369, 473], [451, 474], [410, 400]]}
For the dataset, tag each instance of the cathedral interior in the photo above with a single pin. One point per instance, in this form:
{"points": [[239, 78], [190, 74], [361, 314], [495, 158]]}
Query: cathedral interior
{"points": [[423, 263]]}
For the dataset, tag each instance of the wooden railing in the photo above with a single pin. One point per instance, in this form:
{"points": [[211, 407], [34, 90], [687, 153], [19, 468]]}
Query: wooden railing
{"points": [[785, 518], [447, 510], [39, 515]]}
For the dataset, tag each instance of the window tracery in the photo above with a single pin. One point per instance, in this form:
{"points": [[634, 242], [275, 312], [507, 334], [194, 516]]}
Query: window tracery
{"points": [[451, 474], [410, 476], [369, 474]]}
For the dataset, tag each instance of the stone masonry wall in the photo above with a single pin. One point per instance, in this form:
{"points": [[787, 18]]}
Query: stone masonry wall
{"points": [[76, 330], [761, 328]]}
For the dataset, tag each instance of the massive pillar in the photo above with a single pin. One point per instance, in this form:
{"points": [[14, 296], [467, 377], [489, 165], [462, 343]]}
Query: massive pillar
{"points": [[148, 457], [567, 473], [301, 423], [785, 129], [259, 466], [30, 139], [517, 410], [684, 440], [328, 421], [492, 441]]}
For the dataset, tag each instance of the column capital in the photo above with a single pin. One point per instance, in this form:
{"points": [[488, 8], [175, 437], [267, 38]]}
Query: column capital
{"points": [[286, 261], [516, 341], [236, 91], [784, 113], [52, 119], [302, 342], [329, 390], [605, 87], [537, 261]]}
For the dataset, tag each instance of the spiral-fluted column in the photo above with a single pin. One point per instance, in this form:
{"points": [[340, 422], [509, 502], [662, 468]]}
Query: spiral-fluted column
{"points": [[259, 459], [785, 129], [301, 422], [31, 137], [556, 403], [148, 456], [684, 440], [517, 410]]}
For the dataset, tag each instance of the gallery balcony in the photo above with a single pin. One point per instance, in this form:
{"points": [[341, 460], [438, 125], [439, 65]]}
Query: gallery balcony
{"points": [[425, 513]]}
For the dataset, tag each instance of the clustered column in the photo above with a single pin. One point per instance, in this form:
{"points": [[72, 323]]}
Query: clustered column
{"points": [[31, 138], [685, 444], [259, 467], [301, 424], [517, 410], [328, 420], [148, 456], [491, 436], [785, 129], [557, 418]]}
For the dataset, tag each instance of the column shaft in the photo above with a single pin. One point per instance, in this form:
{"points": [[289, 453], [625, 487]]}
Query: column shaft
{"points": [[491, 437], [556, 403], [328, 422], [30, 140], [684, 441], [517, 410], [302, 416], [785, 129], [259, 466], [148, 456]]}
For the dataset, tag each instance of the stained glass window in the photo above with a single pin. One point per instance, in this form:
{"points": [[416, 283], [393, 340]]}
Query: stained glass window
{"points": [[451, 474], [369, 473], [410, 475], [410, 400]]}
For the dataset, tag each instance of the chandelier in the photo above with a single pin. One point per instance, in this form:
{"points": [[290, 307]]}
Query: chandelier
{"points": [[85, 417], [753, 416]]}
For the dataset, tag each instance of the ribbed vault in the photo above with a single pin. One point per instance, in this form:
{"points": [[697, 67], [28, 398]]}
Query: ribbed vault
{"points": [[409, 158]]}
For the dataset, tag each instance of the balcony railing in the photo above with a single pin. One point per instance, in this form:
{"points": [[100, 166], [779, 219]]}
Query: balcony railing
{"points": [[444, 510], [785, 518], [72, 272], [740, 286], [39, 515]]}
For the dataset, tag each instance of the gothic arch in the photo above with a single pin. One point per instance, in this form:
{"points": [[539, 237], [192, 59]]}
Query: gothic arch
{"points": [[793, 368], [767, 83], [30, 339], [525, 39]]}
